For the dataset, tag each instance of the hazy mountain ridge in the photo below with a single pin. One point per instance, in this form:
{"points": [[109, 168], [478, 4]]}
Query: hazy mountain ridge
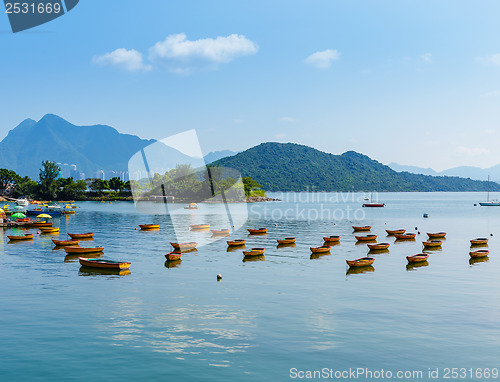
{"points": [[471, 172]]}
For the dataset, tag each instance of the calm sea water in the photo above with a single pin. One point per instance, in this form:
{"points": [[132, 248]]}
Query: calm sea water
{"points": [[61, 322]]}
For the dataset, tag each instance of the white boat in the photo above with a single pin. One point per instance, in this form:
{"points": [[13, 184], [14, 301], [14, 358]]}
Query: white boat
{"points": [[22, 202], [488, 203]]}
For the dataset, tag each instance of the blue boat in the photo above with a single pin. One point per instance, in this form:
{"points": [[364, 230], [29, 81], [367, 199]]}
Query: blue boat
{"points": [[51, 210]]}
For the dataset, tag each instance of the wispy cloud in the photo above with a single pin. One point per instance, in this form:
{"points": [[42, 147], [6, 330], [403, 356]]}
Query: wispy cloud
{"points": [[471, 151], [323, 59], [130, 60], [237, 120], [492, 59], [288, 119], [426, 57]]}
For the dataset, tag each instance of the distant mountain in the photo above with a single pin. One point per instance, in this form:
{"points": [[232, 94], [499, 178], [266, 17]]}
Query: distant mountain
{"points": [[471, 172], [90, 148], [216, 155], [293, 167]]}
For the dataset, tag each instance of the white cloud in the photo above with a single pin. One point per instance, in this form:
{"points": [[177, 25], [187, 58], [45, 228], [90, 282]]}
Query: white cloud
{"points": [[130, 60], [471, 151], [288, 119], [216, 50], [237, 120], [426, 57], [323, 59], [492, 59]]}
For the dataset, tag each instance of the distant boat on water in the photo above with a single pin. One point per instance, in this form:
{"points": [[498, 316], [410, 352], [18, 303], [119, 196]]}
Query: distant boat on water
{"points": [[371, 203], [488, 203]]}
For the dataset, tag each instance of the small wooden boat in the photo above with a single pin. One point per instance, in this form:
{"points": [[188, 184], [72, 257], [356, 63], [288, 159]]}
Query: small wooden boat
{"points": [[405, 236], [185, 246], [321, 249], [192, 206], [479, 253], [200, 227], [23, 220], [28, 236], [331, 239], [101, 263], [361, 228], [287, 240], [257, 231], [479, 241], [50, 230], [418, 258], [254, 252], [432, 243], [220, 232], [373, 204], [68, 212], [361, 262], [236, 242], [65, 242], [395, 231], [378, 246], [149, 227], [172, 256], [436, 235], [75, 249], [81, 235], [39, 224], [366, 238]]}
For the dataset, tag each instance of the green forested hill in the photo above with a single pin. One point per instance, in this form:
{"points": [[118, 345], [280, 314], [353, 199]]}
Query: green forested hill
{"points": [[294, 167]]}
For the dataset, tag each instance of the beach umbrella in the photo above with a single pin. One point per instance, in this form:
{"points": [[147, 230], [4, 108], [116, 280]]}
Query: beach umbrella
{"points": [[18, 215], [44, 216]]}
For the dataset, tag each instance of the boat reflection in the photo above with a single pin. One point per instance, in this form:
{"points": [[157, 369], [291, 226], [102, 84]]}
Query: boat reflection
{"points": [[414, 266], [58, 247], [315, 256], [87, 239], [254, 258], [360, 270], [378, 251], [291, 245], [74, 258], [364, 242], [400, 241], [432, 249], [235, 248], [173, 263], [89, 271], [477, 260], [479, 245]]}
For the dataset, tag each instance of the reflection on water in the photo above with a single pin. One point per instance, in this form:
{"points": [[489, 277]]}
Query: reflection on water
{"points": [[414, 266], [478, 260], [360, 270], [254, 258], [173, 263], [235, 248], [73, 258], [291, 245], [315, 256], [378, 251], [89, 271]]}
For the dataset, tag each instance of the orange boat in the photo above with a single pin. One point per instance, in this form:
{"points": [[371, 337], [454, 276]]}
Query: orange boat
{"points": [[50, 230], [65, 242], [378, 246], [172, 256], [321, 249], [200, 227], [257, 231], [28, 236], [418, 258], [395, 231], [23, 220], [101, 263], [366, 238], [38, 224], [405, 236], [432, 243], [185, 246], [287, 240], [149, 227], [436, 235], [479, 241], [361, 228], [361, 262], [81, 235], [479, 253], [236, 242], [331, 239], [254, 252], [74, 249], [220, 232]]}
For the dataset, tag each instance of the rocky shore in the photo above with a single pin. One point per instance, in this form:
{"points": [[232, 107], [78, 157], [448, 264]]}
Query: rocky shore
{"points": [[253, 199]]}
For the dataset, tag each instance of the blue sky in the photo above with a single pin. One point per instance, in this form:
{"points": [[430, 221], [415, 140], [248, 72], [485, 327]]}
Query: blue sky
{"points": [[415, 82]]}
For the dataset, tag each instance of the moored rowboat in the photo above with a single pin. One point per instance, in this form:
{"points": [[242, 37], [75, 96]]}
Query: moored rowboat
{"points": [[101, 263], [200, 227], [287, 240], [331, 239], [254, 252], [257, 231], [432, 243], [28, 236], [171, 256], [479, 253], [436, 235], [39, 224], [149, 227], [366, 238], [185, 246], [479, 241], [49, 229], [418, 258], [395, 231], [361, 228], [405, 236], [81, 235], [236, 242], [74, 249], [216, 232], [65, 242], [321, 249], [361, 262], [378, 246]]}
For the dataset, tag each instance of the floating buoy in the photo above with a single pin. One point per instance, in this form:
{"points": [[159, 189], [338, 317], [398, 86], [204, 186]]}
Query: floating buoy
{"points": [[426, 215], [416, 228], [419, 232], [475, 204], [219, 277], [491, 234]]}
